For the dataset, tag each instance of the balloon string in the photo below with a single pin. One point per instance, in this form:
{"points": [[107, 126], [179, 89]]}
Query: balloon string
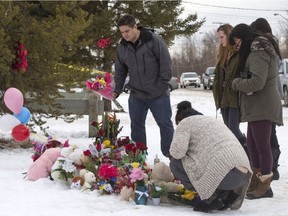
{"points": [[44, 145], [41, 137]]}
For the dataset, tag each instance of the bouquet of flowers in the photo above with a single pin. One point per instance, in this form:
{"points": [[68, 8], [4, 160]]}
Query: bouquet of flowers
{"points": [[107, 174], [138, 176], [102, 85], [63, 169]]}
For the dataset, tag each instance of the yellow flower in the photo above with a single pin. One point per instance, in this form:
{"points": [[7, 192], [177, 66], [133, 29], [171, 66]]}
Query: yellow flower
{"points": [[189, 194], [102, 81], [106, 143], [135, 164]]}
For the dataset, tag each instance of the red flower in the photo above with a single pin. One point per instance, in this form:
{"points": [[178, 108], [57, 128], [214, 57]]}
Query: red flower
{"points": [[98, 147], [87, 153], [101, 132], [107, 171], [103, 43], [20, 62], [141, 146], [94, 124], [129, 147], [123, 141], [106, 159]]}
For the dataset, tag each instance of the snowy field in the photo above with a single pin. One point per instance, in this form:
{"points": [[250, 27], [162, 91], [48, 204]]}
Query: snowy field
{"points": [[20, 197]]}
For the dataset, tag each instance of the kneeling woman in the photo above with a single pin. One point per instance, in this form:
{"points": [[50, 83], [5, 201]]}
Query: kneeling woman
{"points": [[208, 158]]}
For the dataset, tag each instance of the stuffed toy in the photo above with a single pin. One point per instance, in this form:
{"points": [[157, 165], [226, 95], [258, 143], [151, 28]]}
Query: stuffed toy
{"points": [[77, 182], [162, 176], [75, 156], [72, 153], [89, 180], [65, 152], [82, 173], [126, 193], [41, 168]]}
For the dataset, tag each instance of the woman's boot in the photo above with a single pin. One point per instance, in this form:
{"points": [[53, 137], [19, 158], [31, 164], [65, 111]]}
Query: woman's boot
{"points": [[254, 180], [263, 187]]}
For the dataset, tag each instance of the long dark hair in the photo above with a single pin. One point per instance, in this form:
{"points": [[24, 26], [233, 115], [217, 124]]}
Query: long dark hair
{"points": [[247, 36], [245, 33]]}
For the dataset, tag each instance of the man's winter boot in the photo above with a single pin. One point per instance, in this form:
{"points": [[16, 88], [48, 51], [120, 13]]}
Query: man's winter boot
{"points": [[254, 179], [275, 153], [263, 187]]}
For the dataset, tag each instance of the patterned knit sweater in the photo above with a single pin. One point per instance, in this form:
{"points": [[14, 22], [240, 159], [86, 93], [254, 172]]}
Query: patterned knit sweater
{"points": [[208, 151]]}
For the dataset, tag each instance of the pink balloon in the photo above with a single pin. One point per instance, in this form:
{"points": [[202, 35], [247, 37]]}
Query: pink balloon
{"points": [[13, 99]]}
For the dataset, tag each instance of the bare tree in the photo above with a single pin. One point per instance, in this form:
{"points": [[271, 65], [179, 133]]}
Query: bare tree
{"points": [[283, 38], [196, 54]]}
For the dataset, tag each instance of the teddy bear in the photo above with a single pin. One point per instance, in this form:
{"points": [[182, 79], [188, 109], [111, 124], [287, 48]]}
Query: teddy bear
{"points": [[162, 176], [126, 193], [76, 156], [82, 173], [89, 178], [73, 153], [41, 168]]}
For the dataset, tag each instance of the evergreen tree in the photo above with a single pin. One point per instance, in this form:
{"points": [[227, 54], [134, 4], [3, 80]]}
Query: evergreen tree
{"points": [[61, 39]]}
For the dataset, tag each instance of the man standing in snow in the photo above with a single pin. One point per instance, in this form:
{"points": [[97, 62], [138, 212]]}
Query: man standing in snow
{"points": [[144, 56]]}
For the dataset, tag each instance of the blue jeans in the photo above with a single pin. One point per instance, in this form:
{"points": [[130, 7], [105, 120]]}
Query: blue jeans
{"points": [[162, 113], [231, 119]]}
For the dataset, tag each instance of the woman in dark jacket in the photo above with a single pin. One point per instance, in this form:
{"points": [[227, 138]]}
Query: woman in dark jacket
{"points": [[262, 25], [260, 102], [225, 97]]}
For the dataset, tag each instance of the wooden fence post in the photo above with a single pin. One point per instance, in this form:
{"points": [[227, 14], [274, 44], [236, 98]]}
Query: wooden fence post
{"points": [[93, 112]]}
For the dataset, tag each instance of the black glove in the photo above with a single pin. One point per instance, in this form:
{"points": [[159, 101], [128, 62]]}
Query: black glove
{"points": [[245, 74]]}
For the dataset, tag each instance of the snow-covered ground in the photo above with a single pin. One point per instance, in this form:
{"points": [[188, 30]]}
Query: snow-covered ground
{"points": [[19, 197]]}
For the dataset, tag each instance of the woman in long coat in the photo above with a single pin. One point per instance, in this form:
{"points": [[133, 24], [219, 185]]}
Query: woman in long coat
{"points": [[260, 102]]}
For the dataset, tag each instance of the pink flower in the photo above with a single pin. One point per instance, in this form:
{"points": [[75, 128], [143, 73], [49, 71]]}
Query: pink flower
{"points": [[137, 174]]}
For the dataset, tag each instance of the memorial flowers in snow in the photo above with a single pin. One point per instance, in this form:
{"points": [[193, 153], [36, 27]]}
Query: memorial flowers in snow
{"points": [[116, 162]]}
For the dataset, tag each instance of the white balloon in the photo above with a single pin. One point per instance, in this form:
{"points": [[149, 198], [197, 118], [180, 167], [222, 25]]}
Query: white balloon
{"points": [[8, 122]]}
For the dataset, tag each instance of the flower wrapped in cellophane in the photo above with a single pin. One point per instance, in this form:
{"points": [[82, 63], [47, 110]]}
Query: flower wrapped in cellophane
{"points": [[103, 85]]}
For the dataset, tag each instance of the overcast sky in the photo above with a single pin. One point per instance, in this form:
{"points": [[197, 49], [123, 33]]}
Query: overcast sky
{"points": [[221, 11]]}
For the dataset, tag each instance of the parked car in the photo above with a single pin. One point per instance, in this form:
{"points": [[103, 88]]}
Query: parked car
{"points": [[208, 78], [173, 84], [283, 74], [189, 79]]}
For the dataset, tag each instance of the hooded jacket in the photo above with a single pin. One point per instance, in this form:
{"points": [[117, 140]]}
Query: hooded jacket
{"points": [[259, 97], [148, 65], [224, 95]]}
